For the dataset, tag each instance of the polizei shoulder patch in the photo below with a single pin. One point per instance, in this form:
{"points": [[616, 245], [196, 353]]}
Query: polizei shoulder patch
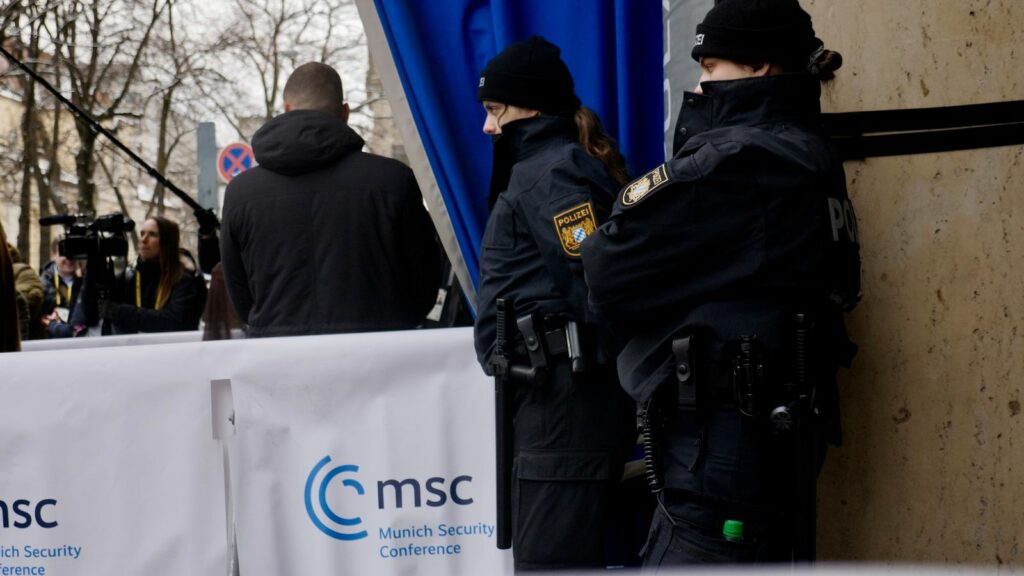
{"points": [[574, 225], [642, 187]]}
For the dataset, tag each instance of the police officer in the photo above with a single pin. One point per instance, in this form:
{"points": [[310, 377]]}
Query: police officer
{"points": [[550, 189], [727, 270]]}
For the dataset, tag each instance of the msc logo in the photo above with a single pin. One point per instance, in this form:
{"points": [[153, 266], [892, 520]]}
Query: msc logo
{"points": [[25, 512], [439, 492], [322, 499]]}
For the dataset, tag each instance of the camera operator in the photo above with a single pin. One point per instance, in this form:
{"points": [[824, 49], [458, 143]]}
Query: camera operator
{"points": [[72, 321], [62, 284], [163, 292]]}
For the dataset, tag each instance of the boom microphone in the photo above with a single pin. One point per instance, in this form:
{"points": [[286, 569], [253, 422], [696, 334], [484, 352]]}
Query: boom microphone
{"points": [[64, 219]]}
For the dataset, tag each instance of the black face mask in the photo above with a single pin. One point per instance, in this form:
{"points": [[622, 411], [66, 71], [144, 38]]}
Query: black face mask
{"points": [[501, 170]]}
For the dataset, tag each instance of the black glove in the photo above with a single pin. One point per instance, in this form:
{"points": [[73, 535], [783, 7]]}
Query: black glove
{"points": [[208, 222]]}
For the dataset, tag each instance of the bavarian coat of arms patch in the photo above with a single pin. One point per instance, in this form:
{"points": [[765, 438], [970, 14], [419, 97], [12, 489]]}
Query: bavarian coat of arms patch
{"points": [[638, 189], [574, 225]]}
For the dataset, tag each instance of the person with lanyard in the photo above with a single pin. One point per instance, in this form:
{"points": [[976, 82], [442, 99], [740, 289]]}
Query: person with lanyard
{"points": [[62, 282], [727, 271], [64, 293], [554, 178], [162, 293]]}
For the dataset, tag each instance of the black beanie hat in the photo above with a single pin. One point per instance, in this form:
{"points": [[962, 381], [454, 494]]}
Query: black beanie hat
{"points": [[757, 31], [530, 74]]}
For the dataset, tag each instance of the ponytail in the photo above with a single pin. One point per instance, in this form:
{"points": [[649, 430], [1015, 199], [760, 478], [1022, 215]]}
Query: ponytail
{"points": [[824, 63], [821, 65], [598, 144]]}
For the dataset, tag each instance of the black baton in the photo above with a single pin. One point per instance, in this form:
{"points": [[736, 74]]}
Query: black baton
{"points": [[503, 424]]}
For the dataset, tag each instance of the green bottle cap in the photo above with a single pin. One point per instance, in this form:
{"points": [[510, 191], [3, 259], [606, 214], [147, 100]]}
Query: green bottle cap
{"points": [[733, 530]]}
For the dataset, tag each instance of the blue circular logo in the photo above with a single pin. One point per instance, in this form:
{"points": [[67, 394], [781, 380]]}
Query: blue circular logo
{"points": [[325, 507]]}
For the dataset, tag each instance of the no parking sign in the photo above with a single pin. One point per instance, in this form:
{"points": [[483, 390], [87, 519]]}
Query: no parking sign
{"points": [[234, 159]]}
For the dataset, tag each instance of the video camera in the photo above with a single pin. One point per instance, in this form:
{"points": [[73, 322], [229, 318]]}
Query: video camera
{"points": [[103, 242], [85, 238]]}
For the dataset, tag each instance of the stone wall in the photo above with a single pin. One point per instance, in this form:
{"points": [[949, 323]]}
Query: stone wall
{"points": [[931, 467], [930, 470]]}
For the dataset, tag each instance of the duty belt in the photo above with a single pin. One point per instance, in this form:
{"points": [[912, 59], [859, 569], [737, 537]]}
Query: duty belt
{"points": [[736, 382], [740, 379]]}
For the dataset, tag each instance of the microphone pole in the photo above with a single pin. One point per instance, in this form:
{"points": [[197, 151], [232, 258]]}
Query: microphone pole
{"points": [[97, 127]]}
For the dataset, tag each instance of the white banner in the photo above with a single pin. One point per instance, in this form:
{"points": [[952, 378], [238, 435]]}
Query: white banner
{"points": [[109, 465], [365, 454], [357, 454]]}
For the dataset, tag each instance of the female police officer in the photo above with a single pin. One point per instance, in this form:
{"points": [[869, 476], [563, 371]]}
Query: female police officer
{"points": [[726, 270], [553, 182]]}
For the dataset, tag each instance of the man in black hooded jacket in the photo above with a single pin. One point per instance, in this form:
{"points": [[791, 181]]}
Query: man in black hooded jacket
{"points": [[322, 237]]}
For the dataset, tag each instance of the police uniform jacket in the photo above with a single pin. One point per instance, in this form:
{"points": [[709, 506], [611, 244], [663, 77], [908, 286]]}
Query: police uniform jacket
{"points": [[551, 195], [568, 431], [748, 223]]}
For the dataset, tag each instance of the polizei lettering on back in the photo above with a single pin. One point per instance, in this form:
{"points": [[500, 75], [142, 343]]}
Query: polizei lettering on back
{"points": [[842, 217]]}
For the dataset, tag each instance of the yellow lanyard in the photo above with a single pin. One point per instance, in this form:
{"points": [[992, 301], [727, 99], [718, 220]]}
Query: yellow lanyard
{"points": [[138, 292], [56, 288]]}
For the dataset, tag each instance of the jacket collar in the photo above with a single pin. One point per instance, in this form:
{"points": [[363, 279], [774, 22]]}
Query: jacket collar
{"points": [[748, 102], [523, 138]]}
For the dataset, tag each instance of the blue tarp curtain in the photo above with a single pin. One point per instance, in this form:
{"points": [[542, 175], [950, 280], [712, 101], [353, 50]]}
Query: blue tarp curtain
{"points": [[612, 47]]}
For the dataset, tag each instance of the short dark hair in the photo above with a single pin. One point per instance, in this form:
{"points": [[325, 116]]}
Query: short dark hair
{"points": [[315, 86]]}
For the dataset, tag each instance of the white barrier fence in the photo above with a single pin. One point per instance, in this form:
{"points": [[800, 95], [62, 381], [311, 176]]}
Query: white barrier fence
{"points": [[111, 341], [357, 454], [112, 452]]}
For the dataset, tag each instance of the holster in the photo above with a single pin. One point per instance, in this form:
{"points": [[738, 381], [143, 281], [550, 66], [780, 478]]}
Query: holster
{"points": [[547, 340], [750, 388], [688, 396], [734, 381], [779, 389]]}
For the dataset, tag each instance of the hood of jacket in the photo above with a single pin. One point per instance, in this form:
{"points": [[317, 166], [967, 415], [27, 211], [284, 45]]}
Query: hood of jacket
{"points": [[301, 141]]}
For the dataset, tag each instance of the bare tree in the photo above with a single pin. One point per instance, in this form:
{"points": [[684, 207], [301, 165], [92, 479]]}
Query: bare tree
{"points": [[90, 48], [28, 18], [171, 68], [9, 159], [109, 39], [28, 135], [270, 37], [134, 68]]}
